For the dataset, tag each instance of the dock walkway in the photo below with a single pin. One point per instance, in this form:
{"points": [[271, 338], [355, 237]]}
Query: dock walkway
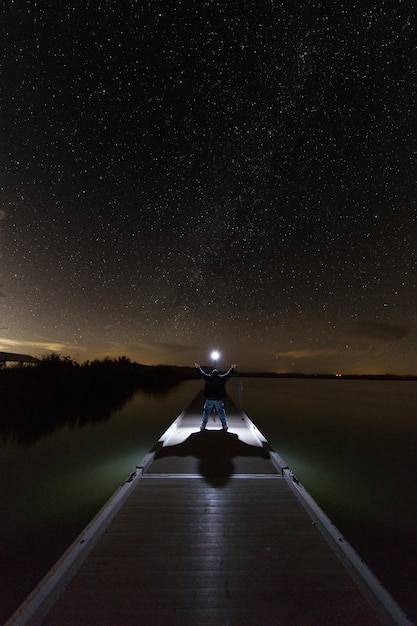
{"points": [[210, 528]]}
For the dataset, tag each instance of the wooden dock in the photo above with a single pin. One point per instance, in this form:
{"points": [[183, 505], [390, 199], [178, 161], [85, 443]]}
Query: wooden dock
{"points": [[210, 528]]}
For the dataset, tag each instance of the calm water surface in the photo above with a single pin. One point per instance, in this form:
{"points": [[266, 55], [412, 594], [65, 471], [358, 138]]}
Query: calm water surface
{"points": [[51, 490], [351, 444]]}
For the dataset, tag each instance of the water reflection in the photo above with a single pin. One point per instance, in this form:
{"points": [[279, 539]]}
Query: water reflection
{"points": [[351, 444], [44, 412], [50, 490]]}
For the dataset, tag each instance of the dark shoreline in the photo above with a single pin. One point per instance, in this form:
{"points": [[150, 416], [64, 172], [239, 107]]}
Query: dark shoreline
{"points": [[37, 400], [328, 376]]}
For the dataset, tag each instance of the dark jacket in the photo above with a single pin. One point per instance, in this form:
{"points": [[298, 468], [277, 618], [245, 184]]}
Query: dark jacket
{"points": [[214, 388]]}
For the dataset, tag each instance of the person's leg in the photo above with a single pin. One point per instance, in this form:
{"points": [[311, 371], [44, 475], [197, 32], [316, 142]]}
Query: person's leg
{"points": [[221, 412], [208, 405]]}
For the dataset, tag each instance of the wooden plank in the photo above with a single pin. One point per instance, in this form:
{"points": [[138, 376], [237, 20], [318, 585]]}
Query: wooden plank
{"points": [[215, 532], [182, 547]]}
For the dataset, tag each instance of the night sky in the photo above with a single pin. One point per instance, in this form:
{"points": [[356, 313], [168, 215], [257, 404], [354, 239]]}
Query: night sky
{"points": [[180, 176]]}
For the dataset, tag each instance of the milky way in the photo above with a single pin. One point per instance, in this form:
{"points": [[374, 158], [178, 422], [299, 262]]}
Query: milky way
{"points": [[178, 176]]}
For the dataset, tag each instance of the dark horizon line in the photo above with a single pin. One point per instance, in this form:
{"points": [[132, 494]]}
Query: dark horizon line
{"points": [[332, 376], [268, 374], [249, 374]]}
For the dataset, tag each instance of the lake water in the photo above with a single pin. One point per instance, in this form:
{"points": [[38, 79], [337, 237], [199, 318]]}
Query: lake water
{"points": [[352, 444]]}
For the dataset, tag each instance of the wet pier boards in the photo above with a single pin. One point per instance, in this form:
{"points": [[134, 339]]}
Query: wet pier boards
{"points": [[213, 532]]}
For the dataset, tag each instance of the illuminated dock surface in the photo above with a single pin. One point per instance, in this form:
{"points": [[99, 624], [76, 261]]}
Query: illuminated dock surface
{"points": [[210, 529]]}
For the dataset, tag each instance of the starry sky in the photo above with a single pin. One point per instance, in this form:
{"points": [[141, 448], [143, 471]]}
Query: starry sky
{"points": [[180, 176]]}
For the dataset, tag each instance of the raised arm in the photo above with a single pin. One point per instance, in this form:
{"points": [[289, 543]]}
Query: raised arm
{"points": [[201, 371], [229, 372]]}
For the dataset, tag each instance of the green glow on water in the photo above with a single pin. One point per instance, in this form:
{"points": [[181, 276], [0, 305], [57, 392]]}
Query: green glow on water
{"points": [[52, 489], [351, 444]]}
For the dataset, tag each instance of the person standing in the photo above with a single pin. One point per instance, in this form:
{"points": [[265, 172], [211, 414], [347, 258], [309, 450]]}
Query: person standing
{"points": [[214, 392]]}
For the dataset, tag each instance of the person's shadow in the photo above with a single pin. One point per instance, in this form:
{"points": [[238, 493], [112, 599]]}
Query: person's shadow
{"points": [[215, 449]]}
